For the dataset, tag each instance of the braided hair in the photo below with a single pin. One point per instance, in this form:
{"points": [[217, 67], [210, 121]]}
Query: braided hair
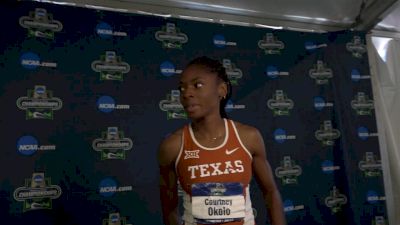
{"points": [[216, 67]]}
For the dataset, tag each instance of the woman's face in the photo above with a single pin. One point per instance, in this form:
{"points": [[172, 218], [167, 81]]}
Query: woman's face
{"points": [[201, 91]]}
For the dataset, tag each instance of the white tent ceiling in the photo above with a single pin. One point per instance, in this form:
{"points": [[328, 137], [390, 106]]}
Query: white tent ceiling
{"points": [[311, 15], [391, 20]]}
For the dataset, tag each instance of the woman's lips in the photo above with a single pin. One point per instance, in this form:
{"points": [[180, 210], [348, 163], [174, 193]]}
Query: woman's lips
{"points": [[191, 107]]}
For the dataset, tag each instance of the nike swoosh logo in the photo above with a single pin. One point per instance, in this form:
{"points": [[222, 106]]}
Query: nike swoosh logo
{"points": [[228, 152]]}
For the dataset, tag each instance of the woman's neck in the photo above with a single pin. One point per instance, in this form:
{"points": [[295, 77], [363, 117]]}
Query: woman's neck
{"points": [[209, 128]]}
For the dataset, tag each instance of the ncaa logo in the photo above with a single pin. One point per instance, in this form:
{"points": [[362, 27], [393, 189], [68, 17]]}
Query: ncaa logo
{"points": [[229, 106], [168, 69], [40, 90], [104, 30], [280, 135], [114, 218], [27, 145], [105, 104], [288, 206], [363, 133], [312, 46], [328, 167], [30, 60], [219, 40], [38, 178], [107, 187], [319, 103], [373, 197], [355, 75], [273, 72]]}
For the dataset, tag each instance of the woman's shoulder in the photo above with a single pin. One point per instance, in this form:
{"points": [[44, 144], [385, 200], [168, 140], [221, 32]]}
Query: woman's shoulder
{"points": [[172, 138], [245, 129], [170, 146], [249, 135]]}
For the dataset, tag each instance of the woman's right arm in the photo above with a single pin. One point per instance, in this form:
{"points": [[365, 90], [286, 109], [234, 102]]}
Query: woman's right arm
{"points": [[168, 153]]}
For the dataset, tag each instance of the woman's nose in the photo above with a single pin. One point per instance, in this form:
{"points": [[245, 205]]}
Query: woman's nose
{"points": [[187, 93]]}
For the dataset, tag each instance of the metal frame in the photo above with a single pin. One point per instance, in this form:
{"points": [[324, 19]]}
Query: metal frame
{"points": [[369, 16]]}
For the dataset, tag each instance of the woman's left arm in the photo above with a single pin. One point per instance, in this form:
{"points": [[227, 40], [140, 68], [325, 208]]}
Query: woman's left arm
{"points": [[264, 176]]}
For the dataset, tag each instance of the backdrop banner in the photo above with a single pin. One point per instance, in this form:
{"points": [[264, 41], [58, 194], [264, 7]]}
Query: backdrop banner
{"points": [[87, 96]]}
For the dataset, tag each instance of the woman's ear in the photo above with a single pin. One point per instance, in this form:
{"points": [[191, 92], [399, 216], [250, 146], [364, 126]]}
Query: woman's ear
{"points": [[223, 89]]}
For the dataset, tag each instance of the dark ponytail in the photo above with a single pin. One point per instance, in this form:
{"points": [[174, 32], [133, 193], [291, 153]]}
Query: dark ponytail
{"points": [[216, 67]]}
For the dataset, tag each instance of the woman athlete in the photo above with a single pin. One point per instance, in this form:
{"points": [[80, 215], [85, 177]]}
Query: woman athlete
{"points": [[213, 158]]}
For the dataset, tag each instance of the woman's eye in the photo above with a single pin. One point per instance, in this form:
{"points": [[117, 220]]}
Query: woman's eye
{"points": [[198, 85], [181, 89]]}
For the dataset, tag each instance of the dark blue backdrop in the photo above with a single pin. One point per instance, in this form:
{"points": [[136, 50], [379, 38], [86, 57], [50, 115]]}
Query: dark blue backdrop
{"points": [[86, 97]]}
